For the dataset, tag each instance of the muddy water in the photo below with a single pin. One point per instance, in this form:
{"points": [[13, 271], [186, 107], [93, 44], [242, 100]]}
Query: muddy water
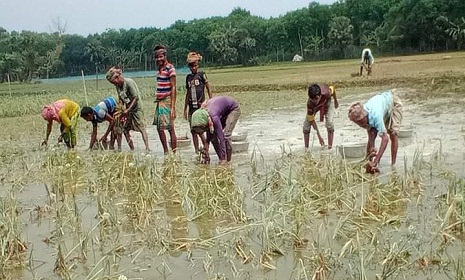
{"points": [[435, 129], [436, 135]]}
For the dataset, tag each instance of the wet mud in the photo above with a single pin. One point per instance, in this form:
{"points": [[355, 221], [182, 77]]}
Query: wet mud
{"points": [[437, 135]]}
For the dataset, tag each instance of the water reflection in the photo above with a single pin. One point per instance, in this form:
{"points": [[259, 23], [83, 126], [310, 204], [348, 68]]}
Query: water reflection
{"points": [[404, 142]]}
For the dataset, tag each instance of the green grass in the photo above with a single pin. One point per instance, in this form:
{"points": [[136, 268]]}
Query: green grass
{"points": [[428, 73]]}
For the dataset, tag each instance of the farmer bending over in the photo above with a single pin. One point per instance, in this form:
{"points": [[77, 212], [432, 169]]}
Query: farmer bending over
{"points": [[367, 61], [319, 99], [217, 119], [380, 115], [65, 112], [103, 111]]}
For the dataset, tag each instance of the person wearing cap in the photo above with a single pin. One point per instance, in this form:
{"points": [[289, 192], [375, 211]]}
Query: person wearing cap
{"points": [[367, 61], [165, 98], [131, 115], [381, 116], [101, 112], [65, 112], [319, 100], [217, 117], [196, 83]]}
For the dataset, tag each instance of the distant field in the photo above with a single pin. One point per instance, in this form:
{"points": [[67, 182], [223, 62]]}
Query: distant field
{"points": [[443, 73]]}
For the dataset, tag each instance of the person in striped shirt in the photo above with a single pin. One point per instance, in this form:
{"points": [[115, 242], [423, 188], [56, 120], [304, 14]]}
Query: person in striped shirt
{"points": [[101, 112], [165, 112]]}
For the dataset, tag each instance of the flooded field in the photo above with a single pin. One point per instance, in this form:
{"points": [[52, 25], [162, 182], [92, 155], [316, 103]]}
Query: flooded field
{"points": [[277, 212]]}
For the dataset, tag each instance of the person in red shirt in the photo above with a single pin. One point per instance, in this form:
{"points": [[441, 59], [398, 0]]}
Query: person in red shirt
{"points": [[319, 99]]}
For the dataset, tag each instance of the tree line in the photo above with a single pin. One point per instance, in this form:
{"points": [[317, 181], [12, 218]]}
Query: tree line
{"points": [[316, 32]]}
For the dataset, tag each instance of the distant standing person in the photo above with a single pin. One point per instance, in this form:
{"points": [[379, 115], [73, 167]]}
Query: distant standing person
{"points": [[367, 61], [196, 83], [103, 111], [165, 112], [65, 112], [132, 115], [319, 99], [217, 117], [380, 115]]}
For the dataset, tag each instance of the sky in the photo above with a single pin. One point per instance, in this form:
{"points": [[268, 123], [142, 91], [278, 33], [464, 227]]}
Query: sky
{"points": [[86, 17]]}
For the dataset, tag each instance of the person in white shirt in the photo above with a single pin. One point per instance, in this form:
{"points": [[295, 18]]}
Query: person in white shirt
{"points": [[367, 61]]}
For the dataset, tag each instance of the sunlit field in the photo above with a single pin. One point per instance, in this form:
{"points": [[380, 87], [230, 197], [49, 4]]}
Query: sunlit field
{"points": [[269, 215]]}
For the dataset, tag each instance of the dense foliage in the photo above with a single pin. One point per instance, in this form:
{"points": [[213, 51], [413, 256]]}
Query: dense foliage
{"points": [[317, 32]]}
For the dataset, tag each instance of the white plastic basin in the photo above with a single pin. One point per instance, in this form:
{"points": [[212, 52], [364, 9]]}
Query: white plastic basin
{"points": [[239, 136], [241, 146], [352, 150]]}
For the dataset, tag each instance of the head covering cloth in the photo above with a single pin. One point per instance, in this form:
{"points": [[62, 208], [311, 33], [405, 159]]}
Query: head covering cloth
{"points": [[112, 73], [201, 118], [193, 57], [357, 112], [50, 111]]}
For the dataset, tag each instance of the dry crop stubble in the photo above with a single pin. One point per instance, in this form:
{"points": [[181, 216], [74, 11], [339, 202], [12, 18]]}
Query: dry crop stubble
{"points": [[296, 215], [384, 206]]}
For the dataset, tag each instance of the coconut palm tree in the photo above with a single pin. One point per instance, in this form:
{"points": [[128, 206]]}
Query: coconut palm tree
{"points": [[95, 50]]}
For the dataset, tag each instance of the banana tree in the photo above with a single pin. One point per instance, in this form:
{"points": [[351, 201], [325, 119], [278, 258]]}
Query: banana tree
{"points": [[457, 32]]}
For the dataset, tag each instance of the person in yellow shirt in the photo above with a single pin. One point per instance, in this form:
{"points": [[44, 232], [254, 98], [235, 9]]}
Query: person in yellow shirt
{"points": [[65, 112]]}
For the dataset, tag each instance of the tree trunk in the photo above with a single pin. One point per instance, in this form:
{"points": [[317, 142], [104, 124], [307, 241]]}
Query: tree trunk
{"points": [[145, 63], [300, 42], [96, 74]]}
